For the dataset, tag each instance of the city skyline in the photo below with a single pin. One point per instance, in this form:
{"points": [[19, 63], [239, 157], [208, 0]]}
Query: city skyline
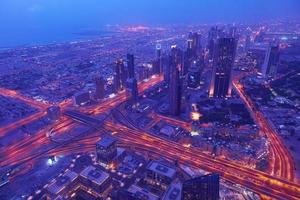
{"points": [[162, 106]]}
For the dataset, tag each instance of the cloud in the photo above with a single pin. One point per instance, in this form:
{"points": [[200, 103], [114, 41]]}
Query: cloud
{"points": [[35, 8]]}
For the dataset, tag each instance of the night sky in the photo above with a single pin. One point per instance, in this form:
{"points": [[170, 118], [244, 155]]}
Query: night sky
{"points": [[53, 16]]}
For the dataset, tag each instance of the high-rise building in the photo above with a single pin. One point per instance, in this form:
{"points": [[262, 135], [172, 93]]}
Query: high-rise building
{"points": [[196, 45], [119, 75], [132, 89], [106, 149], [194, 76], [100, 88], [158, 62], [130, 65], [212, 37], [174, 86], [224, 55], [201, 188], [270, 66]]}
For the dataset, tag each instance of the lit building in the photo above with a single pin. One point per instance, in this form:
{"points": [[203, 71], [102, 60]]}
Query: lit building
{"points": [[62, 185], [223, 61], [201, 188], [100, 88], [88, 184], [94, 178], [119, 76], [106, 149], [159, 174], [175, 63], [194, 76], [270, 66], [130, 65]]}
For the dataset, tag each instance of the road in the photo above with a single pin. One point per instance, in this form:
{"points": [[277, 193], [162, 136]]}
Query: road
{"points": [[282, 163], [39, 146]]}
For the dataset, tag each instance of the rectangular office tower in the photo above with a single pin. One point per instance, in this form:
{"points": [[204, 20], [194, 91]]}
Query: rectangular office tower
{"points": [[130, 65], [201, 188], [132, 90], [100, 88], [224, 55], [119, 76], [269, 68], [174, 85]]}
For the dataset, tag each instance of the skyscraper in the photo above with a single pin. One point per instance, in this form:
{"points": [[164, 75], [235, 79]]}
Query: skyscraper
{"points": [[269, 68], [194, 76], [224, 55], [201, 188], [130, 65], [119, 75], [212, 37], [132, 89], [100, 88], [196, 46], [174, 86], [158, 63]]}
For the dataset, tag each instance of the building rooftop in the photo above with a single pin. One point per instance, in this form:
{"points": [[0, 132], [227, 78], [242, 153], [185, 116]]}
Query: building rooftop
{"points": [[174, 192], [161, 169], [106, 142], [95, 175], [61, 182]]}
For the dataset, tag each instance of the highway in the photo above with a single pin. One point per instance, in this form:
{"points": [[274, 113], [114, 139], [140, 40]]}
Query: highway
{"points": [[282, 163], [40, 145]]}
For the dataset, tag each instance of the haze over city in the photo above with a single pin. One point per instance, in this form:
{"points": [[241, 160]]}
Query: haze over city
{"points": [[150, 100]]}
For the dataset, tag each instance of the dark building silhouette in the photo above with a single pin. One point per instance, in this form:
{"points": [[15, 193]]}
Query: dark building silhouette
{"points": [[158, 66], [194, 75], [223, 61], [132, 89], [100, 88], [106, 149], [201, 188], [175, 85], [130, 65], [270, 66]]}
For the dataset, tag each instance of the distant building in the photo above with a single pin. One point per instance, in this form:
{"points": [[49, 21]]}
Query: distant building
{"points": [[81, 98], [271, 62], [130, 66], [106, 149], [159, 174], [195, 39], [158, 65], [100, 88], [201, 188], [213, 35], [194, 76], [53, 112], [223, 61]]}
